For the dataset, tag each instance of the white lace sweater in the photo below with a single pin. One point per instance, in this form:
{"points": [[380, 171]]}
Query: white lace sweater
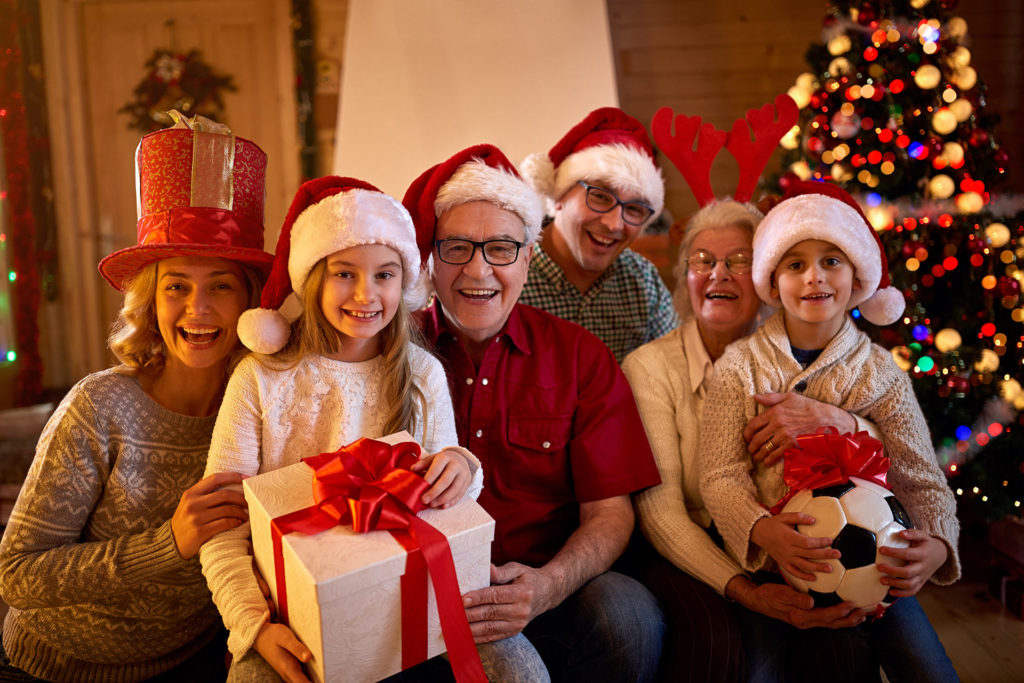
{"points": [[851, 373], [272, 416]]}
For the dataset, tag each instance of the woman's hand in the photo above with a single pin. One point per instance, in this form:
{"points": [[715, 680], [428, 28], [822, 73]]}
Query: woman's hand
{"points": [[283, 651], [923, 558], [796, 553], [448, 474], [780, 601], [205, 510], [789, 415]]}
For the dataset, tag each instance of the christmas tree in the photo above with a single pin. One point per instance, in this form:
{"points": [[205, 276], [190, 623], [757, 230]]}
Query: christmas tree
{"points": [[892, 111]]}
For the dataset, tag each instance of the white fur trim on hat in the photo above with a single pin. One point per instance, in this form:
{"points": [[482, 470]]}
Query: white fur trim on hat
{"points": [[624, 168], [349, 219], [816, 217], [476, 181]]}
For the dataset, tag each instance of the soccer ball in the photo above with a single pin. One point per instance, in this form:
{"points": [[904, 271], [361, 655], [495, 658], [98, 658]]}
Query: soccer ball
{"points": [[860, 517]]}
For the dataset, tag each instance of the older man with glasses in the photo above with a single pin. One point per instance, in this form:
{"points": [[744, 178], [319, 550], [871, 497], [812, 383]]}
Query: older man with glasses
{"points": [[602, 189], [544, 405]]}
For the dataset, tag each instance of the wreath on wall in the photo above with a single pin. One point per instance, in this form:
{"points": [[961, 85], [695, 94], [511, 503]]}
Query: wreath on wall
{"points": [[176, 81]]}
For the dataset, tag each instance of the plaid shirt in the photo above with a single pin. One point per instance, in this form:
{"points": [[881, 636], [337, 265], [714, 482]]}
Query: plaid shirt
{"points": [[626, 307]]}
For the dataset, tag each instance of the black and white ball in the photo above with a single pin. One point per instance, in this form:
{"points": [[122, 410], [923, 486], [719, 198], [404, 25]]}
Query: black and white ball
{"points": [[860, 517]]}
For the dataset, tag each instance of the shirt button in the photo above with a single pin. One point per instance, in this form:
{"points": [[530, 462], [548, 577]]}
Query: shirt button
{"points": [[479, 433], [469, 380], [484, 381], [546, 444]]}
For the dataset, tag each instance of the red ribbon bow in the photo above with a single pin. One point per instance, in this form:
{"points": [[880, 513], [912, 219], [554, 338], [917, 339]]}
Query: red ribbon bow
{"points": [[827, 458], [369, 484]]}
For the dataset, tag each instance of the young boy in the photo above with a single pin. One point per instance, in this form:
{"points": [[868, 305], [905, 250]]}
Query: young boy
{"points": [[816, 255]]}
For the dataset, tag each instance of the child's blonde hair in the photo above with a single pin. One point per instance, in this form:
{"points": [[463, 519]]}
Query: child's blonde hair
{"points": [[312, 333]]}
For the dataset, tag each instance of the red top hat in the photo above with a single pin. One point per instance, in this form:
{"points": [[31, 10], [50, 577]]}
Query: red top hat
{"points": [[199, 192]]}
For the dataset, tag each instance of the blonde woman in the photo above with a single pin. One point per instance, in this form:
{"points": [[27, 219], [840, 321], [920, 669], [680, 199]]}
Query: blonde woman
{"points": [[99, 560]]}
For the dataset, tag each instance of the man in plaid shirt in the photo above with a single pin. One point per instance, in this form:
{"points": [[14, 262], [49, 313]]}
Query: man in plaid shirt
{"points": [[602, 190]]}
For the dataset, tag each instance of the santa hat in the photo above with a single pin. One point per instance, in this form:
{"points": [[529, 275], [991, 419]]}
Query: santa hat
{"points": [[822, 211], [478, 173], [327, 215], [608, 146]]}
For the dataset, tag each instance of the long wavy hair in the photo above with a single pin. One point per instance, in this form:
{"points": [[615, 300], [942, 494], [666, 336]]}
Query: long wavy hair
{"points": [[135, 337], [312, 333]]}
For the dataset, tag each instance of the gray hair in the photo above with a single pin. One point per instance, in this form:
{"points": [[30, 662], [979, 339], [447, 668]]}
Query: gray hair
{"points": [[720, 213]]}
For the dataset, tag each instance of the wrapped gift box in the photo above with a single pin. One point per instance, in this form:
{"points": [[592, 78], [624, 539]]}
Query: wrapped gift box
{"points": [[343, 587]]}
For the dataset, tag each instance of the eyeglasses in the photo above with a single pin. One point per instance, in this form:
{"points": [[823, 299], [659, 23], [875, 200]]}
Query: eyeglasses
{"points": [[496, 252], [739, 263], [602, 201]]}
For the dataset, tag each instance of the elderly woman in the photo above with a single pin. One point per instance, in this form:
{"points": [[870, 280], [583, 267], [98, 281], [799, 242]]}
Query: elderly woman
{"points": [[693, 577], [99, 561]]}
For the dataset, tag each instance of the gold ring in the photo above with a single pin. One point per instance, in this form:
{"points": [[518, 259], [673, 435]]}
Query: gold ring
{"points": [[769, 445]]}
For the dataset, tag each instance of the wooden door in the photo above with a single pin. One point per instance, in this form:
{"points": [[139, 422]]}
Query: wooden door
{"points": [[96, 51]]}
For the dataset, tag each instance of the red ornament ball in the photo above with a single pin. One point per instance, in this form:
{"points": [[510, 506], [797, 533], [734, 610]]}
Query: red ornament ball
{"points": [[979, 137], [1007, 286], [1001, 157], [867, 14]]}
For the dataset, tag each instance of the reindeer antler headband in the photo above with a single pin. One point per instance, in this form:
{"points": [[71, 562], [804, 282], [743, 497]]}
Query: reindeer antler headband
{"points": [[752, 153]]}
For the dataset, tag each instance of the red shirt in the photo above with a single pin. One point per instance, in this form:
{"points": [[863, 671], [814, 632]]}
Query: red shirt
{"points": [[552, 420]]}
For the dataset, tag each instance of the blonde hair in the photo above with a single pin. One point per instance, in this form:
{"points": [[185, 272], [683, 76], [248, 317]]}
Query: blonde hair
{"points": [[312, 333], [135, 338], [718, 214]]}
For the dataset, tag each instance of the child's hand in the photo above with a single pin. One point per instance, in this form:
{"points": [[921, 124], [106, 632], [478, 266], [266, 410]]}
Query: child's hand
{"points": [[449, 476], [283, 651], [796, 553], [205, 510], [924, 556]]}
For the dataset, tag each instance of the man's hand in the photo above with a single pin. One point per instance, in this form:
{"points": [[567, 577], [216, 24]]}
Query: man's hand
{"points": [[284, 652], [205, 510], [923, 558], [789, 415], [780, 601], [518, 593], [795, 552]]}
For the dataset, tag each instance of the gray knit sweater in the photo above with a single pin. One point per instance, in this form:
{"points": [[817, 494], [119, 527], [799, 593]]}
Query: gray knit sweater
{"points": [[88, 562], [851, 373]]}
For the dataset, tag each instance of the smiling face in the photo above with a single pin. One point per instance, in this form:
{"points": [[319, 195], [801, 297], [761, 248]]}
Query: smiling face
{"points": [[477, 297], [814, 280], [723, 302], [198, 301], [362, 291], [586, 243]]}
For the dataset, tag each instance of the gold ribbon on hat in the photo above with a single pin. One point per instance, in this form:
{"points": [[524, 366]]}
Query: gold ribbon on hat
{"points": [[213, 161]]}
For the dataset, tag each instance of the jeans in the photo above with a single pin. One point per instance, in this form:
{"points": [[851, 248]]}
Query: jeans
{"points": [[902, 642], [609, 630]]}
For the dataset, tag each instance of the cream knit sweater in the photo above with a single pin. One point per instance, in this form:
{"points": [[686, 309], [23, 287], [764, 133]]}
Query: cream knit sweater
{"points": [[666, 376], [851, 373], [275, 414]]}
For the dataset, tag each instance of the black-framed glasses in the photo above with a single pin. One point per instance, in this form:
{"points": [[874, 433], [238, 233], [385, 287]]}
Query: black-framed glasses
{"points": [[457, 251], [602, 200], [739, 263]]}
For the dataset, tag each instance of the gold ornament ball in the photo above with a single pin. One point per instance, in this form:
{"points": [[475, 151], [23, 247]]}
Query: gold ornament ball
{"points": [[987, 362], [927, 76], [961, 109], [953, 152], [941, 186], [801, 96], [956, 27], [1009, 389], [947, 339], [969, 202], [801, 169], [997, 234], [964, 78], [944, 121], [879, 218], [960, 58], [807, 81], [839, 66], [839, 45], [901, 354]]}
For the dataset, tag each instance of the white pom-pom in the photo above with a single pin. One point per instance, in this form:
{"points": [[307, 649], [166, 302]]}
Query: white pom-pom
{"points": [[263, 330], [884, 307], [538, 170]]}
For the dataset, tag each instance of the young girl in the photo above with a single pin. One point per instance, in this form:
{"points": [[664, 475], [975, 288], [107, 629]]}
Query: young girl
{"points": [[345, 369], [816, 256]]}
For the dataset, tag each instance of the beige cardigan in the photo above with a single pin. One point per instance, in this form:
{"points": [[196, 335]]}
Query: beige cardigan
{"points": [[851, 373]]}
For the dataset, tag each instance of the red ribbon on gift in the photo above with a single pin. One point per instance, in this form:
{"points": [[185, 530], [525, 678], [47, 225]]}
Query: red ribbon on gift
{"points": [[827, 458], [369, 485]]}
